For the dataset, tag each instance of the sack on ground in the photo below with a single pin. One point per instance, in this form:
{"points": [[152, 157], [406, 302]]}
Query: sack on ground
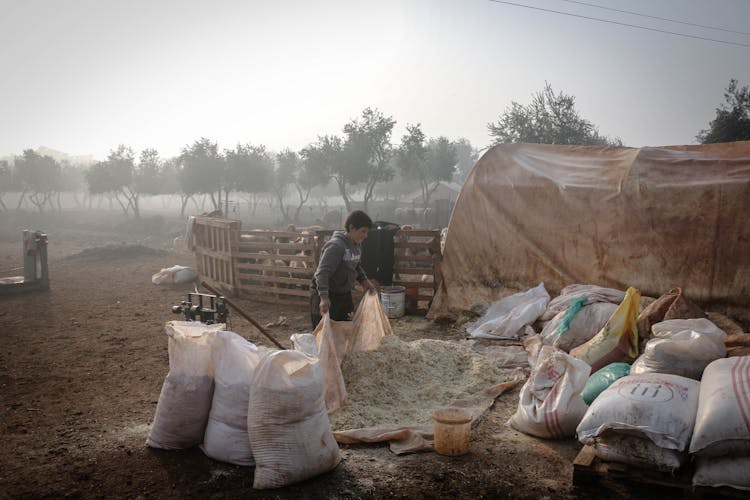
{"points": [[550, 404], [580, 328], [235, 360], [508, 317], [722, 426], [185, 399], [602, 379], [618, 340], [175, 275], [652, 406], [681, 347], [287, 424]]}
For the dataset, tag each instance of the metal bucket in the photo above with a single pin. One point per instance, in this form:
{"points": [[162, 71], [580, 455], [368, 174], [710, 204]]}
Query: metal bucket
{"points": [[392, 299]]}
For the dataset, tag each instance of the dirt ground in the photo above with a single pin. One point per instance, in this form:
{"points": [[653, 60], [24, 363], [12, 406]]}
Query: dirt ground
{"points": [[82, 365]]}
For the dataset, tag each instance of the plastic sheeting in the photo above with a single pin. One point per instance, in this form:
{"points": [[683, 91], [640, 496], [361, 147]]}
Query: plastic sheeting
{"points": [[617, 217]]}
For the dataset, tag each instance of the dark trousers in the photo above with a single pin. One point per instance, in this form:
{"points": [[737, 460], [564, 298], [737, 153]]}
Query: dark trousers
{"points": [[341, 306]]}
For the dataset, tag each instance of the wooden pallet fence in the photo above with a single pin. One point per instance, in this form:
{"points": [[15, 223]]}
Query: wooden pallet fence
{"points": [[275, 266], [278, 266], [417, 255], [215, 246]]}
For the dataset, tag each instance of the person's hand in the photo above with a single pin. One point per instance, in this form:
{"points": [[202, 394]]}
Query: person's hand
{"points": [[368, 286], [325, 304]]}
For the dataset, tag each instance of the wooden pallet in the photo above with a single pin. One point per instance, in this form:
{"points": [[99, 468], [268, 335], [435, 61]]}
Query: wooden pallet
{"points": [[590, 472]]}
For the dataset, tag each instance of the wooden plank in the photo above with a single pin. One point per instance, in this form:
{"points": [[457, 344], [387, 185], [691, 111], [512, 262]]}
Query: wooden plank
{"points": [[415, 244], [269, 245], [276, 269], [267, 256], [213, 253], [272, 234], [413, 284], [589, 470], [274, 279], [417, 232], [277, 290], [419, 271], [417, 258]]}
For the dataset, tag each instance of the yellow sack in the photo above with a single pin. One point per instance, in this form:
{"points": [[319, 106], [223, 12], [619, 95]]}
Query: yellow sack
{"points": [[618, 340]]}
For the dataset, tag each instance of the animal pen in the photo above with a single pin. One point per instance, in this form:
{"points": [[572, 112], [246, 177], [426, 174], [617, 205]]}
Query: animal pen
{"points": [[278, 266]]}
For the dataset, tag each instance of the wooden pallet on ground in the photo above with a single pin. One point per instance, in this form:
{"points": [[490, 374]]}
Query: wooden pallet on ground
{"points": [[591, 472]]}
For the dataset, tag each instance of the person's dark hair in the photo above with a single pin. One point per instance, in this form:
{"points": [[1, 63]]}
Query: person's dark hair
{"points": [[358, 219]]}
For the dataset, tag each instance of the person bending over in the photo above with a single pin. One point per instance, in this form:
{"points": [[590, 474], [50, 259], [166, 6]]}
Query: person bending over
{"points": [[339, 269]]}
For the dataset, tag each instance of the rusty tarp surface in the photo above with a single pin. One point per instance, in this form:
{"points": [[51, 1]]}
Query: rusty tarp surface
{"points": [[652, 218]]}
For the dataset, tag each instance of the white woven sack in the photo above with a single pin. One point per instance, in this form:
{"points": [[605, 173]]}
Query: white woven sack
{"points": [[508, 317], [722, 426], [656, 406], [287, 424], [727, 471], [681, 347], [235, 360], [185, 399], [585, 325], [550, 404]]}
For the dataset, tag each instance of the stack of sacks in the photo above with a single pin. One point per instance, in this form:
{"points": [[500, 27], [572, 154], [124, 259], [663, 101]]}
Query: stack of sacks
{"points": [[577, 314], [721, 439], [644, 420], [681, 347]]}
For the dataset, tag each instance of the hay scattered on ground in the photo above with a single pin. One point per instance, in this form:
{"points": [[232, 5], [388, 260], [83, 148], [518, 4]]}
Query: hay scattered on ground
{"points": [[403, 383], [111, 252]]}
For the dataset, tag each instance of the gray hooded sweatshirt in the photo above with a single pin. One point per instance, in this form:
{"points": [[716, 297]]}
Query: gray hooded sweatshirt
{"points": [[339, 265]]}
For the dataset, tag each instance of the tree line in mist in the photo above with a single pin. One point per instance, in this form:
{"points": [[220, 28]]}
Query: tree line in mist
{"points": [[356, 162]]}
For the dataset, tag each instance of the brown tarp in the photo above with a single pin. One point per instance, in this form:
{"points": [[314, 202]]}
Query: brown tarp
{"points": [[652, 218]]}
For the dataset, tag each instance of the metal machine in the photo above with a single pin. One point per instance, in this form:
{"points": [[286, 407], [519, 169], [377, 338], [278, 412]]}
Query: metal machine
{"points": [[203, 307]]}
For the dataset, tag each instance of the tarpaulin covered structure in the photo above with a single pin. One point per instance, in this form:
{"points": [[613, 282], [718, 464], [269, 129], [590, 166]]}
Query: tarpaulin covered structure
{"points": [[652, 218]]}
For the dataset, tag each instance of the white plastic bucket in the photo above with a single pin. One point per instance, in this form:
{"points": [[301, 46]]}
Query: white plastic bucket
{"points": [[392, 299]]}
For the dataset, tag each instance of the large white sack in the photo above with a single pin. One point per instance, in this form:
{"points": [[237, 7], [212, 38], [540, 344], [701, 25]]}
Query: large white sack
{"points": [[508, 317], [681, 347], [656, 406], [185, 399], [727, 471], [585, 324], [592, 293], [722, 426], [235, 360], [550, 404], [287, 424]]}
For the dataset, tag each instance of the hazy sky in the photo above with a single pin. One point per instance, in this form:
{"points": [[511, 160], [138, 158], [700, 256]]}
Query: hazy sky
{"points": [[84, 76]]}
